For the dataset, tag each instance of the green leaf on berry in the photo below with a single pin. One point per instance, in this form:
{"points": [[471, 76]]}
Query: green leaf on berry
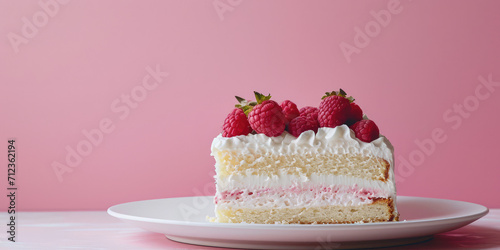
{"points": [[245, 105], [247, 109], [341, 93], [261, 98], [240, 100], [327, 94]]}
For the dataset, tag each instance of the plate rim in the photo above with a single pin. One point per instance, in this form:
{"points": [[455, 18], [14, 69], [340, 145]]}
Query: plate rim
{"points": [[483, 212]]}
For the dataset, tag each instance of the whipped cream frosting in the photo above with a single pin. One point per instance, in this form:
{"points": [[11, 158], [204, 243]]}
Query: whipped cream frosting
{"points": [[338, 140]]}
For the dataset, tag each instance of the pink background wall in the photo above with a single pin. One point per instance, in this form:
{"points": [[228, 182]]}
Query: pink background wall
{"points": [[68, 67]]}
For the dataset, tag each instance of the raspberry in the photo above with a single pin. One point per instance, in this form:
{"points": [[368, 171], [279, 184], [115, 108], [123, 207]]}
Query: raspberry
{"points": [[356, 114], [236, 123], [267, 118], [309, 111], [290, 110], [366, 130], [334, 110], [301, 124]]}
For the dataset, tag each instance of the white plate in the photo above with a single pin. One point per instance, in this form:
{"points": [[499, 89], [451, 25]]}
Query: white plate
{"points": [[185, 220]]}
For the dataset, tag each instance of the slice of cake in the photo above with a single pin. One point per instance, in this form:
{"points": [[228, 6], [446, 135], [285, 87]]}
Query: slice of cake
{"points": [[317, 170]]}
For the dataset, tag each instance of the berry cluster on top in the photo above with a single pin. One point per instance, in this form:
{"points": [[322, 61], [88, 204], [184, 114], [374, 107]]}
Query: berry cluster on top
{"points": [[265, 116]]}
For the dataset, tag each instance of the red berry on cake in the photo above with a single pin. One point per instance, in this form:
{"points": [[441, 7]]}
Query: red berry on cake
{"points": [[356, 114], [334, 110], [290, 110], [267, 116], [301, 124], [366, 130], [236, 123], [309, 111]]}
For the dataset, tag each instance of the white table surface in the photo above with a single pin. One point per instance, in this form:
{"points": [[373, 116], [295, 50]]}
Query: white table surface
{"points": [[98, 230]]}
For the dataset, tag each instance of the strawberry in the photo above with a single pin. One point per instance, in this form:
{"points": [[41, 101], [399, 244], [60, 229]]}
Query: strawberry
{"points": [[356, 114], [236, 123], [366, 130], [334, 109], [267, 117], [290, 110], [301, 124]]}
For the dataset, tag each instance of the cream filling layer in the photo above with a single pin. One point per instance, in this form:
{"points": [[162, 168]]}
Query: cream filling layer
{"points": [[297, 197], [256, 182]]}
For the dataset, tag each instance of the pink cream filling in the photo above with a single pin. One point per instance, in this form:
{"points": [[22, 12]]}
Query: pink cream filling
{"points": [[362, 194]]}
